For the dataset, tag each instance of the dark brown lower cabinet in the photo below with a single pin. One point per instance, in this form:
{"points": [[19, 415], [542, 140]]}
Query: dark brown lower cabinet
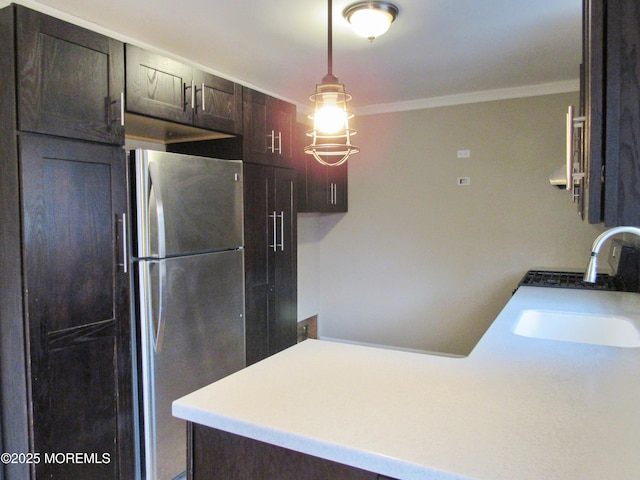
{"points": [[75, 326], [218, 455], [270, 260]]}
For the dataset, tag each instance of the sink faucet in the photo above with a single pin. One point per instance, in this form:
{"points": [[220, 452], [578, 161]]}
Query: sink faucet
{"points": [[590, 274]]}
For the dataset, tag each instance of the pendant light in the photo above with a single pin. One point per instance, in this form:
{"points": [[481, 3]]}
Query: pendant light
{"points": [[331, 133]]}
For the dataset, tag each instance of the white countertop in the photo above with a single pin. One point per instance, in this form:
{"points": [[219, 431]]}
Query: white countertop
{"points": [[515, 408]]}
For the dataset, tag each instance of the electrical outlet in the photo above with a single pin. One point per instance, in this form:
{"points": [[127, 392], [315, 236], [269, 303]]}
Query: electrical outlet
{"points": [[464, 153]]}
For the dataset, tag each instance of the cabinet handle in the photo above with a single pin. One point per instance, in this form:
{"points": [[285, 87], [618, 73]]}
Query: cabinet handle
{"points": [[122, 109], [273, 148], [193, 94], [273, 141], [274, 245], [574, 167], [569, 149], [125, 253], [282, 231], [112, 118], [202, 93], [275, 216]]}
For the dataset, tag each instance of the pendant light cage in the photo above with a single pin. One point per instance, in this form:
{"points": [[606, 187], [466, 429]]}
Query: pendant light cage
{"points": [[331, 134]]}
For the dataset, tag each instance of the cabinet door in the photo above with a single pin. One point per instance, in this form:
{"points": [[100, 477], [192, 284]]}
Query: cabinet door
{"points": [[258, 201], [268, 129], [320, 188], [283, 321], [218, 103], [337, 183], [281, 117], [77, 305], [622, 116], [70, 80], [593, 65], [159, 87], [219, 455], [270, 260], [256, 140]]}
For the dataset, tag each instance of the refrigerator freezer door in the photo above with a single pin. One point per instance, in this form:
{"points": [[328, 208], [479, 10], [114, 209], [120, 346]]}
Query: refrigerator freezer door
{"points": [[192, 334], [187, 204]]}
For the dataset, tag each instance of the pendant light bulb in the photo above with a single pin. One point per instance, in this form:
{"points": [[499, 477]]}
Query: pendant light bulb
{"points": [[330, 118]]}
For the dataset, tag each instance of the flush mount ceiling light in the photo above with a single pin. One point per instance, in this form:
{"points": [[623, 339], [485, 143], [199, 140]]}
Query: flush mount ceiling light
{"points": [[371, 19], [331, 133]]}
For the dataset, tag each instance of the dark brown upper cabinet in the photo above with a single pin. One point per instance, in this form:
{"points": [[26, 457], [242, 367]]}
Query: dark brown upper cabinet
{"points": [[610, 97], [166, 89], [70, 81], [268, 129], [321, 189]]}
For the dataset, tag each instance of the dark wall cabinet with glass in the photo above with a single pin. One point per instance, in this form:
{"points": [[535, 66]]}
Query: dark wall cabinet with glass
{"points": [[166, 89], [65, 341], [611, 102], [321, 189]]}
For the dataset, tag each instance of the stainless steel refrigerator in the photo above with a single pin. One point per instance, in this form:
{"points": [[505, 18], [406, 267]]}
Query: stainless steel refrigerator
{"points": [[188, 261]]}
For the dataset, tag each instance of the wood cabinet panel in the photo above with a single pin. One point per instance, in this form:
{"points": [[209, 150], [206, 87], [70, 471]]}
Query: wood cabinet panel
{"points": [[69, 235], [611, 96], [70, 80], [255, 139], [218, 104], [77, 304], [268, 129], [258, 198], [64, 419], [622, 118], [283, 322], [270, 260], [14, 403], [322, 189], [158, 86], [166, 89], [281, 117], [226, 456]]}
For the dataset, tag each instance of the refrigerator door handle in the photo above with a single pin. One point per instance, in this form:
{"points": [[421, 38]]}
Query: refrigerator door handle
{"points": [[162, 243], [155, 315], [162, 306]]}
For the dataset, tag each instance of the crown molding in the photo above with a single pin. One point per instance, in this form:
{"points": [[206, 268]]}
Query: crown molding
{"points": [[472, 97]]}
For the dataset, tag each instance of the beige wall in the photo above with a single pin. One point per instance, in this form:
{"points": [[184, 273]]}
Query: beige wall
{"points": [[419, 262]]}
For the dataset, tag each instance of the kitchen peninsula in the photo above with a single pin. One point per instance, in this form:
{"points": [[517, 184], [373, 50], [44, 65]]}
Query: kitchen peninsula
{"points": [[516, 407]]}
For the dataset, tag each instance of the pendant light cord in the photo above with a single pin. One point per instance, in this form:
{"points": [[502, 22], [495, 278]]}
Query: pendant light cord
{"points": [[330, 42]]}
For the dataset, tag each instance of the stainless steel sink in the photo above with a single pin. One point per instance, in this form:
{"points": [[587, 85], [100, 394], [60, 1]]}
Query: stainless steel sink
{"points": [[598, 329]]}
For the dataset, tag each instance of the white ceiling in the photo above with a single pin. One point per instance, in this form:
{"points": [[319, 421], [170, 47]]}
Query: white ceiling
{"points": [[435, 48]]}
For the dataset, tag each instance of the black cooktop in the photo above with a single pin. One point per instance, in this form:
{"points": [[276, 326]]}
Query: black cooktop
{"points": [[544, 278]]}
